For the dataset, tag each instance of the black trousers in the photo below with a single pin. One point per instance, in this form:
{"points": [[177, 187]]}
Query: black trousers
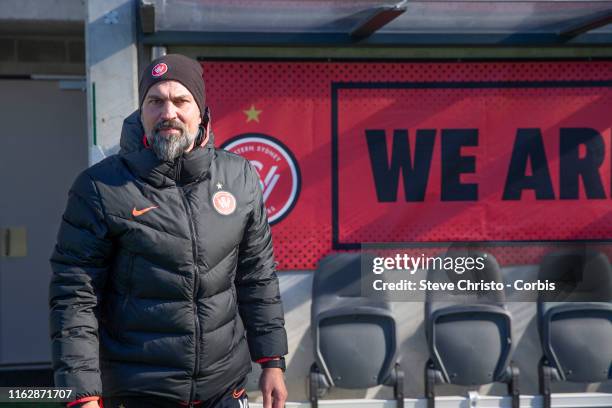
{"points": [[234, 396]]}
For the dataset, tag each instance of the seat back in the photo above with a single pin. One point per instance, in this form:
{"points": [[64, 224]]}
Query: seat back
{"points": [[354, 336], [469, 332], [575, 321], [471, 346]]}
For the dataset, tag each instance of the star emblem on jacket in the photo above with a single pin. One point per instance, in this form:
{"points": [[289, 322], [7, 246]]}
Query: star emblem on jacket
{"points": [[219, 186]]}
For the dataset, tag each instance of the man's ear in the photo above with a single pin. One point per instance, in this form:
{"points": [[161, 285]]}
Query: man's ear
{"points": [[206, 132], [206, 117]]}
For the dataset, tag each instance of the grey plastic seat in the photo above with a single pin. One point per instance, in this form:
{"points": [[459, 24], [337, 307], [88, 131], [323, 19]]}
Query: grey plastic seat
{"points": [[469, 333], [575, 320], [354, 337]]}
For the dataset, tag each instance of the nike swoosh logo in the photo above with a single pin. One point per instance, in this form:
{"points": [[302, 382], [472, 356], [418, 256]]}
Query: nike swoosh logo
{"points": [[138, 213], [238, 393]]}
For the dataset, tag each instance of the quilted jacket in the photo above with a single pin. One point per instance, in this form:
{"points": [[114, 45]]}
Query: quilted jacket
{"points": [[163, 279]]}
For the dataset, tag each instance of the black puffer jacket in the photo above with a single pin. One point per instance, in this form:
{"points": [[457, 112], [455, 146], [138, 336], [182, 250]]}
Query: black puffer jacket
{"points": [[149, 274]]}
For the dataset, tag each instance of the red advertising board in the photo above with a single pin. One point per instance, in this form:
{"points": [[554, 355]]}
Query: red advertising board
{"points": [[353, 153]]}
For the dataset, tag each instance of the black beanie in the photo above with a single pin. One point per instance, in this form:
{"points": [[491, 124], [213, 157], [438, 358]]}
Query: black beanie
{"points": [[174, 67]]}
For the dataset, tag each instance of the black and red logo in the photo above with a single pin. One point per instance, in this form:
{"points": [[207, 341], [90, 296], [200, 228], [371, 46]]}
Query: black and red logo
{"points": [[278, 170]]}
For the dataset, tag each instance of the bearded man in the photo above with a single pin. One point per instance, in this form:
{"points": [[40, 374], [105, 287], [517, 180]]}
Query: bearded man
{"points": [[164, 286]]}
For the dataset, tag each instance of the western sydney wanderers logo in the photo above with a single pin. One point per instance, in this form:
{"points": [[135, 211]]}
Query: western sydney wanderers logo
{"points": [[224, 202], [159, 69], [278, 171]]}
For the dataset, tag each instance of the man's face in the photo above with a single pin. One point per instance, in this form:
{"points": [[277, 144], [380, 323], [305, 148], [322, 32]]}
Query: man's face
{"points": [[170, 117]]}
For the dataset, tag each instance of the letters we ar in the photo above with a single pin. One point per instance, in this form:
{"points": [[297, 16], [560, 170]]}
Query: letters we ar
{"points": [[580, 156]]}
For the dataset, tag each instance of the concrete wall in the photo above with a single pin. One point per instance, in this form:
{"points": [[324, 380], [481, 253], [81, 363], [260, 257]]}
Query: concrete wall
{"points": [[112, 71]]}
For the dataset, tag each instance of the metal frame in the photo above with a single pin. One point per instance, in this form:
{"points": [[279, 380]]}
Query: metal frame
{"points": [[576, 400], [457, 54], [377, 39], [366, 33], [146, 14], [318, 385], [596, 21], [380, 17]]}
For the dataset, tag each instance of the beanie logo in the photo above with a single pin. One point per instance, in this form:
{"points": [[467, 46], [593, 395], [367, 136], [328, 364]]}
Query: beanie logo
{"points": [[159, 69]]}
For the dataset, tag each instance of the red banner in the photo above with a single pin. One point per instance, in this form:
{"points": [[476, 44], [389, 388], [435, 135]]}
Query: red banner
{"points": [[352, 153]]}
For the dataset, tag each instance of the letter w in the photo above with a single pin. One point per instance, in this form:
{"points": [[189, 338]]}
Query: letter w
{"points": [[415, 172]]}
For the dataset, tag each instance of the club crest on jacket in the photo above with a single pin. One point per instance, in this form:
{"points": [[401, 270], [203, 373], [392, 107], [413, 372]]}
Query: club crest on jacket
{"points": [[224, 202]]}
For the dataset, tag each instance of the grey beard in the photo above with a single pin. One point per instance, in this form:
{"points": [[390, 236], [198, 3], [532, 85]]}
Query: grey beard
{"points": [[168, 148]]}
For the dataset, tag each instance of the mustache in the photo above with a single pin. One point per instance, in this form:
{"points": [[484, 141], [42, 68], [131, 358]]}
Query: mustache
{"points": [[170, 124]]}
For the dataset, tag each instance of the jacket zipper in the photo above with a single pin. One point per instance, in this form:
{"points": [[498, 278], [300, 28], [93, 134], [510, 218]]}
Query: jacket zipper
{"points": [[194, 249]]}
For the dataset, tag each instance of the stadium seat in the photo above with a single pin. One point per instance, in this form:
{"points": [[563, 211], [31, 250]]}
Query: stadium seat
{"points": [[468, 332], [354, 336], [575, 320]]}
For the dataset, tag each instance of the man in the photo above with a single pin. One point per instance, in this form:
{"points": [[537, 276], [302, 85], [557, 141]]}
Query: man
{"points": [[163, 285]]}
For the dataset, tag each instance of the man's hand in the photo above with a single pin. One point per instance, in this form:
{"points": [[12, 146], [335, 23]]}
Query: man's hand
{"points": [[272, 386]]}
